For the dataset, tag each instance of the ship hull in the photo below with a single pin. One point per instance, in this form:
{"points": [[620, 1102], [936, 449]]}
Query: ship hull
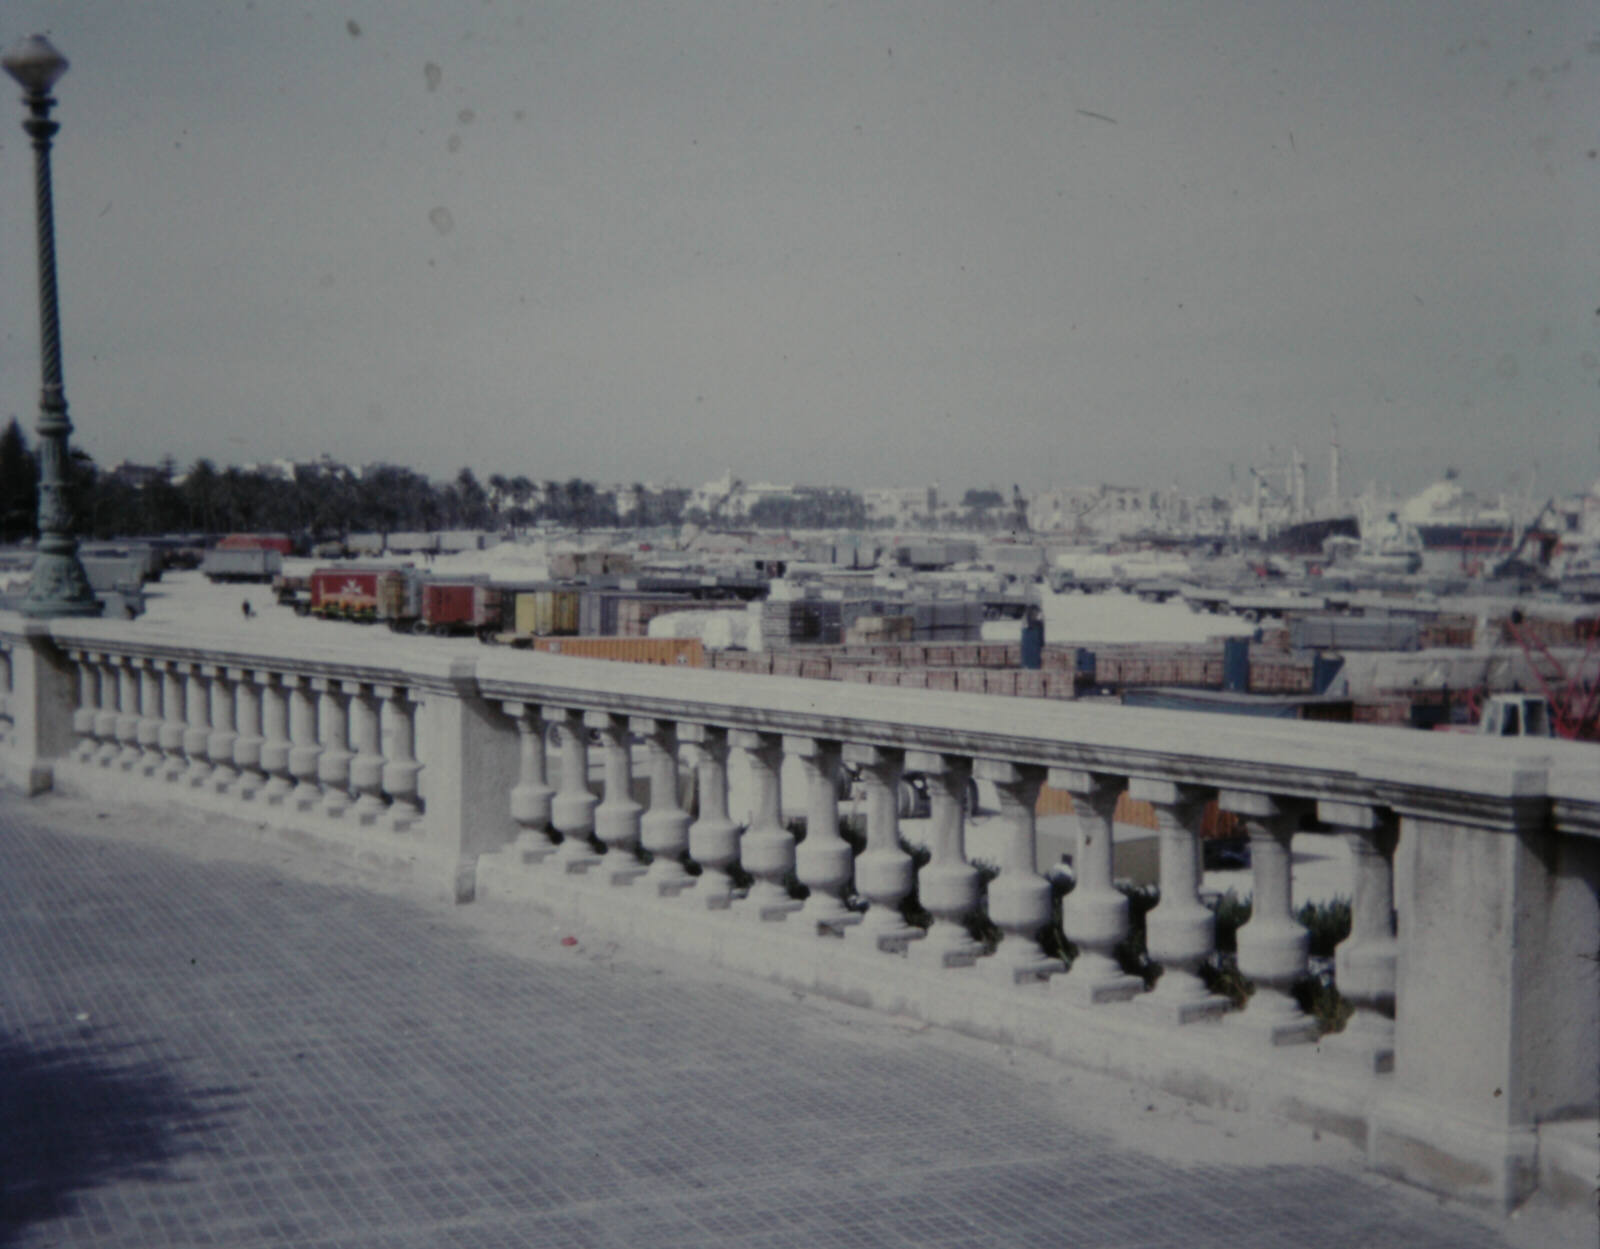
{"points": [[1307, 537], [1468, 539]]}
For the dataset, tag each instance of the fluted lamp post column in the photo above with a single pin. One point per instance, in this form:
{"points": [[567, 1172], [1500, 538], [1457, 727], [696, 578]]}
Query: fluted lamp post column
{"points": [[59, 586]]}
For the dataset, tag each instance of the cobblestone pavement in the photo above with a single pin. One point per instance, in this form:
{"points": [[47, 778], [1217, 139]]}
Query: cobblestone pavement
{"points": [[205, 1049]]}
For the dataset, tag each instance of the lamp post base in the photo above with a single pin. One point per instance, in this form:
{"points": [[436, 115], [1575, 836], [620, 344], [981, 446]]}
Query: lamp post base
{"points": [[59, 587]]}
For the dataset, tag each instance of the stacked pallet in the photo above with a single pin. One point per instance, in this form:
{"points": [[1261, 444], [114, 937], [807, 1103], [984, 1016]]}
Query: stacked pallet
{"points": [[1287, 675], [1551, 631], [1446, 631], [635, 614], [1381, 711], [1196, 666]]}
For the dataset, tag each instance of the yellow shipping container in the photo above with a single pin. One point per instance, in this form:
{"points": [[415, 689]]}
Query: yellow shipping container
{"points": [[546, 613]]}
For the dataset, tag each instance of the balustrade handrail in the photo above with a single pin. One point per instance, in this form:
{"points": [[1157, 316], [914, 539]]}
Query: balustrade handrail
{"points": [[1496, 783]]}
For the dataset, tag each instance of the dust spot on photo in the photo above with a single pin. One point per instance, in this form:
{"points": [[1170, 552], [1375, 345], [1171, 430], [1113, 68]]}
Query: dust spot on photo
{"points": [[466, 117], [453, 143], [433, 74], [442, 220], [1506, 366], [354, 27]]}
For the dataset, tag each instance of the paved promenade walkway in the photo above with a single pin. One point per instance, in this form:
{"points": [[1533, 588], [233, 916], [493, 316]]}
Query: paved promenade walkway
{"points": [[233, 1047]]}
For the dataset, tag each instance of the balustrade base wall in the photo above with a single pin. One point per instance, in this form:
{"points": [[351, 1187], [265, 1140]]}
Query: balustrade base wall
{"points": [[1470, 1066]]}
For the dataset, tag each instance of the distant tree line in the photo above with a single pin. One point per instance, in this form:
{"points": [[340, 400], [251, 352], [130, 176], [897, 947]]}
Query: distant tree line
{"points": [[328, 501], [19, 489]]}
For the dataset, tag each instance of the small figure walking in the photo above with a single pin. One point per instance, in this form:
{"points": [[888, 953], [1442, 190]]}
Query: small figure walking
{"points": [[247, 609]]}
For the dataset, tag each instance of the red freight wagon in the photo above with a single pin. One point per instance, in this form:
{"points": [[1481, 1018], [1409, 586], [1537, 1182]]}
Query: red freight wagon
{"points": [[278, 542], [365, 594], [461, 607]]}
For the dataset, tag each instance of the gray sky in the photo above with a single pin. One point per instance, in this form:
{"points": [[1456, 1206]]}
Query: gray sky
{"points": [[863, 243]]}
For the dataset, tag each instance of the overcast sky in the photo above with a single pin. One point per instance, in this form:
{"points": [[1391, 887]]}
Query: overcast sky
{"points": [[857, 243]]}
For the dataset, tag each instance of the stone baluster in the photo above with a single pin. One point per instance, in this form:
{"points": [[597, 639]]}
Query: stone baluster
{"points": [[532, 794], [1095, 913], [128, 717], [824, 861], [275, 745], [366, 767], [1272, 945], [766, 851], [884, 872], [1365, 962], [664, 830], [83, 718], [304, 750], [247, 745], [333, 765], [713, 837], [572, 809], [197, 716], [1181, 932], [1019, 898], [219, 745], [616, 819], [173, 723], [105, 719], [149, 732], [400, 766], [948, 886]]}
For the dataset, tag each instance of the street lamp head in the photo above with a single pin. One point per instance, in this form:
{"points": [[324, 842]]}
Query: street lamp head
{"points": [[35, 63]]}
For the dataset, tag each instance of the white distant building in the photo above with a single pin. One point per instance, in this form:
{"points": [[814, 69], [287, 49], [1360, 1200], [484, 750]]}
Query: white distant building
{"points": [[712, 497], [727, 498], [901, 506], [1109, 513]]}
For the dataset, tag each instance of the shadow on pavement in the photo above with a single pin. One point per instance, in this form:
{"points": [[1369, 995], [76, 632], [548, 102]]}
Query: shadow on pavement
{"points": [[76, 1115]]}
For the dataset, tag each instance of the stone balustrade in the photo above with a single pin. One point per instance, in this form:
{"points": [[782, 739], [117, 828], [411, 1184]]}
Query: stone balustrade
{"points": [[600, 792]]}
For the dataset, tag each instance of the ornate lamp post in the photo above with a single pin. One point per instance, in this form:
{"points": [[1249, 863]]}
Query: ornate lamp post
{"points": [[59, 586]]}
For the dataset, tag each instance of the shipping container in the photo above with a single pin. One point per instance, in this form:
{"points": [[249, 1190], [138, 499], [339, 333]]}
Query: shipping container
{"points": [[406, 543], [545, 613], [1352, 633], [279, 542], [666, 652], [455, 607], [260, 564], [1215, 823]]}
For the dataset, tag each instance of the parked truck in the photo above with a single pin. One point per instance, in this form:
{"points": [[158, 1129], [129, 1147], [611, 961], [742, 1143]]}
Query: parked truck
{"points": [[366, 595], [222, 564]]}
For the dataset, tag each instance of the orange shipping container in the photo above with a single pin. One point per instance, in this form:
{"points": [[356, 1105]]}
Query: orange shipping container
{"points": [[1214, 822], [669, 652]]}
